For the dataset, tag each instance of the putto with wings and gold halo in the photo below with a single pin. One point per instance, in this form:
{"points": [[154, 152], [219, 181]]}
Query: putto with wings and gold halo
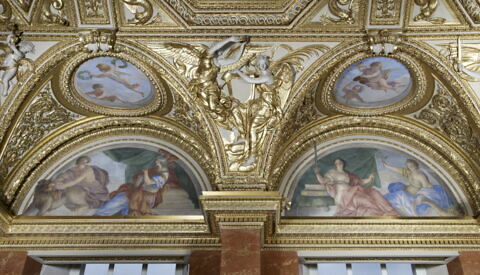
{"points": [[210, 72]]}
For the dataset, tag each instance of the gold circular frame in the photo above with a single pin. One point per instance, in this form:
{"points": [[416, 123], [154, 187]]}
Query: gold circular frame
{"points": [[417, 95], [72, 96]]}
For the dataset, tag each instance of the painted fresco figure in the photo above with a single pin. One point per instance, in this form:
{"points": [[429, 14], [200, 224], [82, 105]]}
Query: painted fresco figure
{"points": [[142, 196], [376, 78], [116, 75], [352, 93], [351, 197], [79, 188], [419, 197], [89, 180], [100, 94]]}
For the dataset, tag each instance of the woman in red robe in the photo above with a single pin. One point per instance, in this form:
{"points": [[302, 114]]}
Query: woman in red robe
{"points": [[352, 198]]}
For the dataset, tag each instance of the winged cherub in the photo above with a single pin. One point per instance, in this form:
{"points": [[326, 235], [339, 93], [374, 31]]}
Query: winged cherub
{"points": [[376, 78], [12, 60], [263, 112], [201, 65]]}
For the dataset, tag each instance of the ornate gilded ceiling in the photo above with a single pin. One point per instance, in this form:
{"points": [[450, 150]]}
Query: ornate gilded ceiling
{"points": [[180, 117]]}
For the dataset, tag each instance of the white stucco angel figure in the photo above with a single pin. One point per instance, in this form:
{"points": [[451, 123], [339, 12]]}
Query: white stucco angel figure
{"points": [[12, 58]]}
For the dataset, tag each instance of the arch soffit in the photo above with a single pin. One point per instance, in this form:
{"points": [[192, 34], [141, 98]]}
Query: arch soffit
{"points": [[156, 131], [320, 69], [393, 130]]}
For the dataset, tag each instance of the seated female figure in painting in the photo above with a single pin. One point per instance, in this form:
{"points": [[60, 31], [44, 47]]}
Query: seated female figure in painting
{"points": [[419, 197], [352, 198], [140, 197]]}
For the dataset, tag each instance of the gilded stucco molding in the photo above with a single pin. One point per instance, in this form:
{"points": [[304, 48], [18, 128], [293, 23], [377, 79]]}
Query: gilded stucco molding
{"points": [[93, 11], [240, 209], [472, 7], [385, 12], [150, 225], [101, 241], [43, 115], [17, 98], [443, 115], [283, 18], [406, 131], [445, 72], [418, 95], [82, 132]]}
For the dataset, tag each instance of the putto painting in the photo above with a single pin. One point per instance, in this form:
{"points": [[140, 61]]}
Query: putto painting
{"points": [[373, 82], [120, 181], [113, 82], [370, 181]]}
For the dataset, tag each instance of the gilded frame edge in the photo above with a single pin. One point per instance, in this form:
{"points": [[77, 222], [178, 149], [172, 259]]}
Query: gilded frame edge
{"points": [[65, 88], [419, 93], [442, 151], [96, 128]]}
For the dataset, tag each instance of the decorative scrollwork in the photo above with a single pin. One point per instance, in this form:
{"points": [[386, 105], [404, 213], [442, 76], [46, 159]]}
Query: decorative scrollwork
{"points": [[337, 8], [43, 115], [183, 114], [464, 58], [473, 9], [52, 13], [443, 114], [385, 8], [304, 114], [142, 10], [384, 42], [6, 14], [98, 40], [427, 8], [239, 19]]}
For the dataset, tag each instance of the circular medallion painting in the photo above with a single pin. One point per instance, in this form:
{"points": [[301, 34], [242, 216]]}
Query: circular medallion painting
{"points": [[373, 82], [113, 82]]}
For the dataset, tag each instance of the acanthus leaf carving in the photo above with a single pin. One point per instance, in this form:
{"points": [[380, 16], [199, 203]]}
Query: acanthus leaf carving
{"points": [[42, 116], [342, 10], [52, 13], [183, 114], [443, 114], [427, 8], [472, 7], [98, 40], [141, 9], [6, 14]]}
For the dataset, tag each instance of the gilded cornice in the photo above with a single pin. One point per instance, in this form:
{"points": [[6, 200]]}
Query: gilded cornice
{"points": [[184, 125]]}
